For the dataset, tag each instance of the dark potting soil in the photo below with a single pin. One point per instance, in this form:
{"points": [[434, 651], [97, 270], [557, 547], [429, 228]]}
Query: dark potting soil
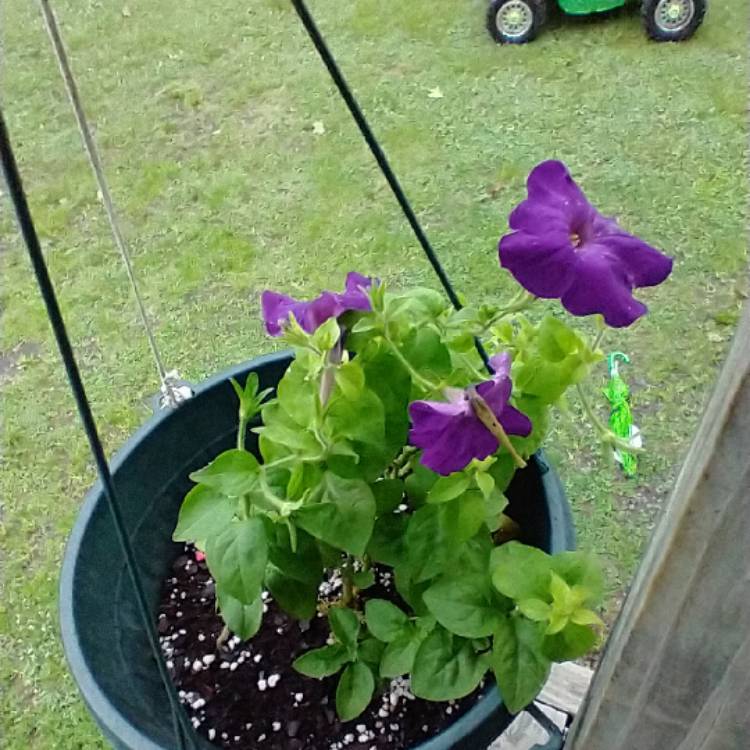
{"points": [[247, 695]]}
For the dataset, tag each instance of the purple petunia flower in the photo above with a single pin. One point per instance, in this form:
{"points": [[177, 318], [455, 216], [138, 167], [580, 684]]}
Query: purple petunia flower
{"points": [[564, 248], [451, 434], [277, 307]]}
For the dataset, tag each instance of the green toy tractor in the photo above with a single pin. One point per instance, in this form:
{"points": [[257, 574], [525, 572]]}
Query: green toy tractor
{"points": [[519, 21]]}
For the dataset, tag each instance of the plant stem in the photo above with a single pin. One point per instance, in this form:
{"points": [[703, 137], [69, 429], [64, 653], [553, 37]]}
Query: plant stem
{"points": [[488, 419], [348, 588], [599, 338], [223, 637], [415, 376], [520, 302], [590, 413], [333, 358], [241, 430]]}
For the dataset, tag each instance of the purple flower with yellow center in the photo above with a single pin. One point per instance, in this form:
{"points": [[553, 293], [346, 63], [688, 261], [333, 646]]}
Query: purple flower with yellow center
{"points": [[562, 247], [471, 424], [278, 307]]}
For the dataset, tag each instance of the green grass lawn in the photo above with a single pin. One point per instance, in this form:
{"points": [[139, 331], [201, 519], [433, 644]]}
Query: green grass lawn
{"points": [[204, 114]]}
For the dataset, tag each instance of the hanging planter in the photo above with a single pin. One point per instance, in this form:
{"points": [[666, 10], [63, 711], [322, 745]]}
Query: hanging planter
{"points": [[106, 648]]}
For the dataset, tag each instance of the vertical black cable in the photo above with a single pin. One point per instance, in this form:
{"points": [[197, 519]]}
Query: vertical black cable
{"points": [[380, 157], [28, 231]]}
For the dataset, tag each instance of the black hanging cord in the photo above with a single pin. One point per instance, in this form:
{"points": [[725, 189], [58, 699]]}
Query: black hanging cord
{"points": [[26, 225], [380, 157]]}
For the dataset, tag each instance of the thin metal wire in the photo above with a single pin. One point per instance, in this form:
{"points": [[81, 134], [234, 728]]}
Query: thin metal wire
{"points": [[380, 157], [168, 388], [28, 231]]}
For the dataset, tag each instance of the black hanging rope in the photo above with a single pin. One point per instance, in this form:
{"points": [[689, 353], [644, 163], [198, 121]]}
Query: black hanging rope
{"points": [[28, 231], [380, 157]]}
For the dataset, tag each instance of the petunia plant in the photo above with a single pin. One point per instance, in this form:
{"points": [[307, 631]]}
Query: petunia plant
{"points": [[385, 453]]}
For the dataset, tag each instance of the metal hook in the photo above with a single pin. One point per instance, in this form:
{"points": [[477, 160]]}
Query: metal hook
{"points": [[556, 738], [612, 362]]}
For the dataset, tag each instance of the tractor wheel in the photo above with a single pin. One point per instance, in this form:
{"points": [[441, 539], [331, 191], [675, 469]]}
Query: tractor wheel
{"points": [[515, 21], [672, 20]]}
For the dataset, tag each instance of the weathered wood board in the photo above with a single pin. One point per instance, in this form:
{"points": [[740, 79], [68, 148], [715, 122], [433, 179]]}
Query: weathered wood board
{"points": [[676, 670]]}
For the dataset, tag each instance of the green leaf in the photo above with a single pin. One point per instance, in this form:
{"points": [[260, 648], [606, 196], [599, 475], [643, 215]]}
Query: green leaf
{"points": [[354, 691], [557, 621], [237, 559], [389, 494], [232, 473], [398, 657], [419, 304], [296, 393], [519, 662], [581, 569], [448, 488], [464, 605], [384, 620], [446, 667], [494, 505], [321, 662], [350, 378], [551, 357], [521, 572], [242, 619], [293, 577], [426, 352], [346, 516], [429, 544], [387, 541], [419, 483], [280, 428], [204, 513], [503, 469], [561, 593], [361, 419], [387, 378], [465, 515], [298, 598], [363, 579], [304, 563], [572, 643], [250, 399], [410, 590], [585, 617], [326, 335], [435, 534], [345, 627], [485, 482], [370, 651], [302, 477], [535, 609]]}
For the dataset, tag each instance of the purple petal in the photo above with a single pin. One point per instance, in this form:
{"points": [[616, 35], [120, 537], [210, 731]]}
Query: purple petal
{"points": [[500, 363], [310, 315], [449, 435], [543, 265], [515, 422], [551, 182], [276, 308], [644, 265], [601, 286], [314, 313], [495, 392], [356, 295]]}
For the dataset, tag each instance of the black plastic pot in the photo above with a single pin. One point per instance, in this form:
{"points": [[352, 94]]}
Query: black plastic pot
{"points": [[106, 649]]}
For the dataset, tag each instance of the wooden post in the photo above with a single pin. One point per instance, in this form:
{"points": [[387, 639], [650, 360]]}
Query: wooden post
{"points": [[676, 670]]}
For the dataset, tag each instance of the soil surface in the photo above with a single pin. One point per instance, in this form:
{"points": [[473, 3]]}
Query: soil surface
{"points": [[247, 695]]}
